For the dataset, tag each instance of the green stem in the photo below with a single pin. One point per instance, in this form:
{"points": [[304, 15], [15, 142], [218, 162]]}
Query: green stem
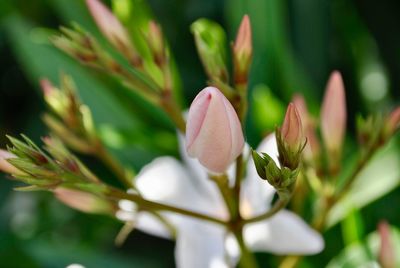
{"points": [[155, 206], [280, 204], [238, 182], [114, 165], [170, 106], [247, 259], [223, 185]]}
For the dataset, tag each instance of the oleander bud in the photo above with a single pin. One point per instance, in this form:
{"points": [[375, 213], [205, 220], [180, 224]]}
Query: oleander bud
{"points": [[290, 139], [113, 30], [213, 132], [243, 51], [83, 201], [312, 149], [210, 39], [387, 254], [392, 123], [333, 116]]}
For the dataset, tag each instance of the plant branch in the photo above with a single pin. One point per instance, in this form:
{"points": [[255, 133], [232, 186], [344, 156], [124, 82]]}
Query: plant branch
{"points": [[155, 206]]}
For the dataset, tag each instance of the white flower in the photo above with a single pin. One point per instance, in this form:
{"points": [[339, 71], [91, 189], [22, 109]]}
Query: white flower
{"points": [[205, 244]]}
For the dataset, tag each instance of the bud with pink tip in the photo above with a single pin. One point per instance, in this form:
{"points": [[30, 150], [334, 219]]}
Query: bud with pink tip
{"points": [[5, 166], [312, 148], [333, 116], [83, 201], [392, 123], [213, 132], [387, 254], [113, 30], [290, 138], [243, 50]]}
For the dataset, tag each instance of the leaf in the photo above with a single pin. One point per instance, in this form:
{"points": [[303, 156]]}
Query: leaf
{"points": [[364, 254], [378, 178]]}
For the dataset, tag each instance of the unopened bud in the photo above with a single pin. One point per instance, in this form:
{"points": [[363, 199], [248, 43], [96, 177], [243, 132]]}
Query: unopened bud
{"points": [[210, 42], [213, 132], [113, 30], [312, 148], [5, 166], [243, 51], [387, 254], [83, 201], [290, 139], [333, 116], [156, 43], [392, 123]]}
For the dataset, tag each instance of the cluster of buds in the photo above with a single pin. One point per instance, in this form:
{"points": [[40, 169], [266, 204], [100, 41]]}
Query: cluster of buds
{"points": [[56, 170], [291, 142], [83, 47], [70, 120]]}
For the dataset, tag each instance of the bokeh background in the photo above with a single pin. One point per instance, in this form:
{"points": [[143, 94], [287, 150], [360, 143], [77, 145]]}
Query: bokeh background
{"points": [[297, 43]]}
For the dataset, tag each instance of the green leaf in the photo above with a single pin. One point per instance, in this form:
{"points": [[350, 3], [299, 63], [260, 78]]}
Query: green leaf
{"points": [[380, 176]]}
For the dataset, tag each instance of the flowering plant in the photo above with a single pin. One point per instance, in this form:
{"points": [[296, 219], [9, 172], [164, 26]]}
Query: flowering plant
{"points": [[222, 200]]}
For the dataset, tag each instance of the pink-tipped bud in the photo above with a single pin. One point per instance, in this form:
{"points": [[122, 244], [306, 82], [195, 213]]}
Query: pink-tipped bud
{"points": [[112, 29], [292, 129], [5, 166], [312, 148], [213, 132], [387, 254], [47, 86], [243, 50], [83, 201], [392, 123], [156, 42], [333, 115]]}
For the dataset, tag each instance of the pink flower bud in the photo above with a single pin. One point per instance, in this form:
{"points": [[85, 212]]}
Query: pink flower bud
{"points": [[83, 201], [312, 148], [112, 29], [243, 43], [333, 114], [5, 166], [46, 86], [387, 255], [292, 129], [213, 132], [243, 50], [392, 123]]}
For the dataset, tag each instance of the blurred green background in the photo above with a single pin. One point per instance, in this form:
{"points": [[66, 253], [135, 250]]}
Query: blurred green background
{"points": [[297, 43]]}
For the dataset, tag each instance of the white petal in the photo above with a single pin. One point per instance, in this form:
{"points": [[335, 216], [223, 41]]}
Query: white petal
{"points": [[269, 146], [285, 233], [165, 180], [201, 245]]}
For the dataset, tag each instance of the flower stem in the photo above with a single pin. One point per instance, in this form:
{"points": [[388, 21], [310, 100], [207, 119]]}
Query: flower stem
{"points": [[155, 206], [247, 259], [280, 204], [114, 165]]}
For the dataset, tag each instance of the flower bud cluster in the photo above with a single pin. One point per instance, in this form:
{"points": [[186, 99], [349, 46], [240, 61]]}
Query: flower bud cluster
{"points": [[55, 170], [70, 120], [291, 142]]}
